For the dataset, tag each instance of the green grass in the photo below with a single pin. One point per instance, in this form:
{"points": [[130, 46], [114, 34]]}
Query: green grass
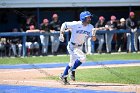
{"points": [[64, 59], [127, 75], [128, 56], [50, 59]]}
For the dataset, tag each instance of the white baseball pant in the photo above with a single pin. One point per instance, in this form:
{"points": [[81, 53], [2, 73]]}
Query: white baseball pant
{"points": [[75, 52]]}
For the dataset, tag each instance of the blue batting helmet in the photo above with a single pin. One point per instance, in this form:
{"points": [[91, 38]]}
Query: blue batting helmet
{"points": [[84, 14]]}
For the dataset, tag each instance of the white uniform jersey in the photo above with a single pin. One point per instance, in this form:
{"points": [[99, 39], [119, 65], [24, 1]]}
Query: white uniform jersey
{"points": [[78, 31]]}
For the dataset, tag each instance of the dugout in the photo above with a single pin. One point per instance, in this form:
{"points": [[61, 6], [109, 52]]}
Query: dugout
{"points": [[13, 13], [13, 17]]}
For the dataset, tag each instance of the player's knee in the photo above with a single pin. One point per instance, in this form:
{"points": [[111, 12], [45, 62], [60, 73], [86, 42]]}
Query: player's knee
{"points": [[31, 46], [71, 64], [102, 41], [36, 45], [83, 59], [19, 45]]}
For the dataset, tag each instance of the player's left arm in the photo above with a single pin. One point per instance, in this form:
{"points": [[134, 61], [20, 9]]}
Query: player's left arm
{"points": [[93, 36]]}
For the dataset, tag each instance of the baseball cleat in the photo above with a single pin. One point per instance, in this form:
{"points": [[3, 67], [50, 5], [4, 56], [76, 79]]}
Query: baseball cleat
{"points": [[64, 80], [72, 75]]}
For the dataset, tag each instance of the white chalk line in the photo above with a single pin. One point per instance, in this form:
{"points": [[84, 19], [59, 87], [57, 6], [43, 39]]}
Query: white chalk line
{"points": [[25, 81]]}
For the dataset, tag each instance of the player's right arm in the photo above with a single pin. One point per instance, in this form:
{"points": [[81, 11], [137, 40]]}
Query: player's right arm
{"points": [[64, 27], [62, 30]]}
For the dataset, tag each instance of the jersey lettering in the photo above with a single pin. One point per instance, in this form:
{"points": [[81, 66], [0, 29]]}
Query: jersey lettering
{"points": [[83, 32]]}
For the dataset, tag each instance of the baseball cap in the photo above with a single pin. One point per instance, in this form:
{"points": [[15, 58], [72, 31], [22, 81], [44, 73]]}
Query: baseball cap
{"points": [[113, 17], [45, 20], [54, 16], [101, 18], [122, 20], [131, 14]]}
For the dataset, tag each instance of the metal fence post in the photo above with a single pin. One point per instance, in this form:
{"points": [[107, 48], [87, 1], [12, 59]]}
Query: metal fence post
{"points": [[23, 45]]}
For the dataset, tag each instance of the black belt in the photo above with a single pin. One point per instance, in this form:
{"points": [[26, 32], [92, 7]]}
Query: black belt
{"points": [[76, 44]]}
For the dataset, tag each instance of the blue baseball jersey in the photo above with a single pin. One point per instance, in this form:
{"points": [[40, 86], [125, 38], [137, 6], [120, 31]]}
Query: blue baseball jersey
{"points": [[79, 32]]}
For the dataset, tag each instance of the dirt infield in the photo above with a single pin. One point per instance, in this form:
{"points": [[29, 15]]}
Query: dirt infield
{"points": [[33, 77]]}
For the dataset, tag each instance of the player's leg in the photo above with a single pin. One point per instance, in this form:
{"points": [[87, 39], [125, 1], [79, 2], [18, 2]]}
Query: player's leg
{"points": [[139, 40], [30, 48], [45, 42], [107, 42], [57, 43], [19, 49], [88, 45], [42, 37], [128, 42], [101, 42], [70, 49], [80, 58], [135, 41], [66, 71], [36, 48], [13, 46], [53, 44], [109, 37], [110, 42], [71, 64], [64, 75], [118, 43]]}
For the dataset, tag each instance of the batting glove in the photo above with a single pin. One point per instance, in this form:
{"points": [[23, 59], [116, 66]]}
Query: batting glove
{"points": [[61, 38]]}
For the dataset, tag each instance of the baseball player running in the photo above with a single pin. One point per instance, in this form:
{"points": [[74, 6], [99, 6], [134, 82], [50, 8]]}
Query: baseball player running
{"points": [[79, 31]]}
